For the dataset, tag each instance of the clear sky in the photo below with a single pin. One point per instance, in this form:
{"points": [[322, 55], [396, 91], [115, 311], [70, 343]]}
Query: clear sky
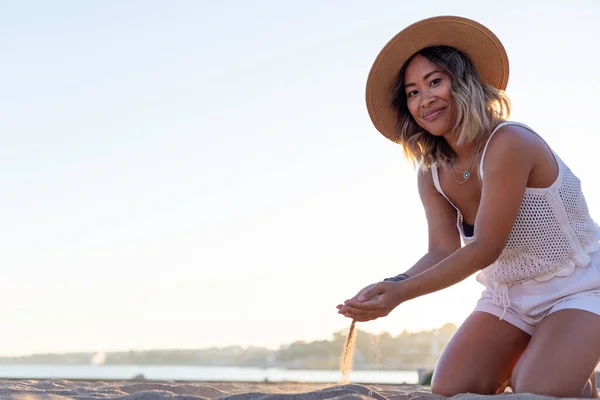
{"points": [[186, 173]]}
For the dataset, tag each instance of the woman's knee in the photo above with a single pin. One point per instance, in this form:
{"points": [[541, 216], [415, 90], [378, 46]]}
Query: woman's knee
{"points": [[449, 385], [540, 385], [445, 388]]}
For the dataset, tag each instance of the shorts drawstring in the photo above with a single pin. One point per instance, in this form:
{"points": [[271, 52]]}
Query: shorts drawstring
{"points": [[501, 297]]}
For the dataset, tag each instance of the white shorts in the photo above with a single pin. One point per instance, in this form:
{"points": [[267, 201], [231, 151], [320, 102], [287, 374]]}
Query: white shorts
{"points": [[531, 301]]}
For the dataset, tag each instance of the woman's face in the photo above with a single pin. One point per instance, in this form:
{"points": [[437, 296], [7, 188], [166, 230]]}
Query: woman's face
{"points": [[429, 96]]}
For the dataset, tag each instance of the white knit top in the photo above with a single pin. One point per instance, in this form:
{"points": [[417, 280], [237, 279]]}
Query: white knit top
{"points": [[553, 232]]}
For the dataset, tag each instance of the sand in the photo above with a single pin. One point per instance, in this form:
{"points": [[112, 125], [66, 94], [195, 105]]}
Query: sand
{"points": [[139, 390], [348, 356]]}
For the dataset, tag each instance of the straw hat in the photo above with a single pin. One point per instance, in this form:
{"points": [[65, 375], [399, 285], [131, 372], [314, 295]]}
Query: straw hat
{"points": [[479, 43]]}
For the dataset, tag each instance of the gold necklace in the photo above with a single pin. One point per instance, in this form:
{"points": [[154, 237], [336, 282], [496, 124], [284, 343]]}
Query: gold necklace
{"points": [[466, 174]]}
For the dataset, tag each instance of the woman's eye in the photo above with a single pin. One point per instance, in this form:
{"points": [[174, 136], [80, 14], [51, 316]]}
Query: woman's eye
{"points": [[412, 93], [435, 81]]}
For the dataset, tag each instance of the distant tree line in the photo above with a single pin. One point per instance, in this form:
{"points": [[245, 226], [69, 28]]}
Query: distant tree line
{"points": [[382, 351]]}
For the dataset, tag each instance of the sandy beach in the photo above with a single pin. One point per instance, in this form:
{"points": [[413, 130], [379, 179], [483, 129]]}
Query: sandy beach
{"points": [[70, 389]]}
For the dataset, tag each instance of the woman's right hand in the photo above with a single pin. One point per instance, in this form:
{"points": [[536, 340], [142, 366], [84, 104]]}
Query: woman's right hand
{"points": [[374, 301], [340, 307]]}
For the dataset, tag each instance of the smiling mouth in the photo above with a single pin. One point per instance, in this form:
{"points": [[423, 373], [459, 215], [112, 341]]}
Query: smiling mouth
{"points": [[433, 115]]}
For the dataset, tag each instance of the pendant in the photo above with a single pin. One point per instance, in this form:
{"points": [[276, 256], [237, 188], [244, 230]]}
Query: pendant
{"points": [[466, 175]]}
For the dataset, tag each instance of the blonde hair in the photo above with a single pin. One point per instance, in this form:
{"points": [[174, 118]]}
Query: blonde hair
{"points": [[479, 109]]}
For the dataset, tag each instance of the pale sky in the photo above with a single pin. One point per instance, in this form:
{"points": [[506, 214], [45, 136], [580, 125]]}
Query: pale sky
{"points": [[186, 174]]}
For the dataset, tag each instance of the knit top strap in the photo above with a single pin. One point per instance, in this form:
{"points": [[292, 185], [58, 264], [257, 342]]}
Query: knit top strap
{"points": [[438, 186]]}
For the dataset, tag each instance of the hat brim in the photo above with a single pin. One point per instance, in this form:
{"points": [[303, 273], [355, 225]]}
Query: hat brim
{"points": [[481, 45]]}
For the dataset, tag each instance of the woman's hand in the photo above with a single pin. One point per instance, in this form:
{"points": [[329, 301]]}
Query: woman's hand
{"points": [[374, 301]]}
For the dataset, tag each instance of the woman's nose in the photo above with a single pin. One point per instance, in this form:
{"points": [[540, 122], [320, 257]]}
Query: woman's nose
{"points": [[427, 101]]}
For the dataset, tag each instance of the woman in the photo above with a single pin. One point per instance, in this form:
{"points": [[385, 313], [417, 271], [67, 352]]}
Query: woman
{"points": [[437, 89]]}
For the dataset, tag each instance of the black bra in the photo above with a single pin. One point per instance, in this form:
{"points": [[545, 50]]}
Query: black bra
{"points": [[468, 229]]}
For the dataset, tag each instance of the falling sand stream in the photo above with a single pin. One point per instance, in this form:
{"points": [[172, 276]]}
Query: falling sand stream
{"points": [[348, 356]]}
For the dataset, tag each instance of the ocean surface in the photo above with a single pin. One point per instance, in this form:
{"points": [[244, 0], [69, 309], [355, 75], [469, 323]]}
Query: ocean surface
{"points": [[190, 373]]}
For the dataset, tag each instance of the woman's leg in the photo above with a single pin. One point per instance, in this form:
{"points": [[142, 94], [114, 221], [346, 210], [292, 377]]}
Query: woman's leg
{"points": [[594, 386], [590, 390], [480, 357], [562, 355]]}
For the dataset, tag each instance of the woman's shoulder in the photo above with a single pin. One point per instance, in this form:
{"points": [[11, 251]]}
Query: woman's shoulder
{"points": [[425, 175], [510, 142], [513, 130], [511, 136]]}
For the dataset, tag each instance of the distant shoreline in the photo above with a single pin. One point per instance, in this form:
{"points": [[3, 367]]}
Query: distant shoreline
{"points": [[199, 374]]}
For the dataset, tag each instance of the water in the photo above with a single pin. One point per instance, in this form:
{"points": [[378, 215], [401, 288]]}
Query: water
{"points": [[192, 373]]}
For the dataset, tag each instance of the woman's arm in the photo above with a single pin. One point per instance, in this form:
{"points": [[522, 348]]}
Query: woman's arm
{"points": [[444, 238], [508, 164]]}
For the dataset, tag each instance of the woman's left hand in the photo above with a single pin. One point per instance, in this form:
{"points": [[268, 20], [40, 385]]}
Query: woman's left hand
{"points": [[377, 301]]}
